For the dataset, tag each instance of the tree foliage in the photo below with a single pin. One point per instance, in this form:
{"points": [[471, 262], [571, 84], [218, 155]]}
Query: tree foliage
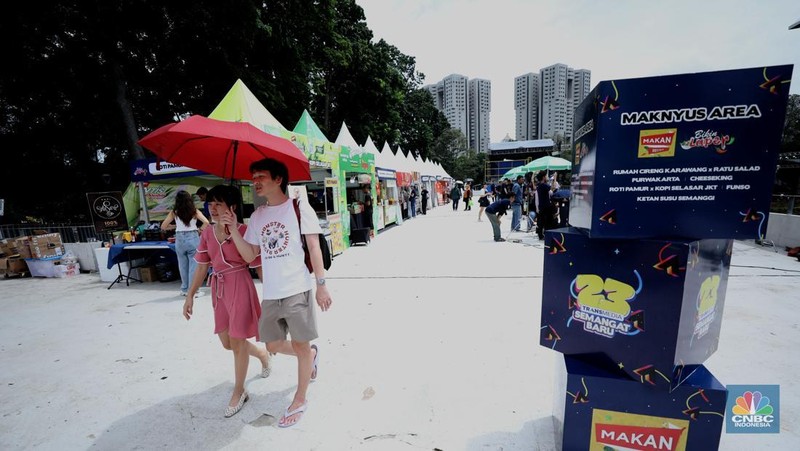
{"points": [[116, 70]]}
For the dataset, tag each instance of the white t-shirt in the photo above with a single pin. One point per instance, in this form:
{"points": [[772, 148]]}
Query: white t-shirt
{"points": [[274, 229]]}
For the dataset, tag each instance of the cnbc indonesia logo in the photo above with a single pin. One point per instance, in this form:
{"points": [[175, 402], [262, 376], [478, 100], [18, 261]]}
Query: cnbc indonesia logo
{"points": [[752, 411]]}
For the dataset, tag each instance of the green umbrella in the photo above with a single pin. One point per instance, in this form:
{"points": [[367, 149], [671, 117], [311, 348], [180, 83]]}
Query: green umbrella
{"points": [[547, 163], [513, 173]]}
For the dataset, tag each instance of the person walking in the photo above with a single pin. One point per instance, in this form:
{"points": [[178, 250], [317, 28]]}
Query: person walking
{"points": [[185, 216], [233, 294], [412, 197], [494, 211], [424, 196], [468, 197], [516, 205], [483, 202], [455, 196], [291, 271]]}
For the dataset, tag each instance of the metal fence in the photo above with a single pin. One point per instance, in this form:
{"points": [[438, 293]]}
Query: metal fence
{"points": [[70, 233], [785, 203]]}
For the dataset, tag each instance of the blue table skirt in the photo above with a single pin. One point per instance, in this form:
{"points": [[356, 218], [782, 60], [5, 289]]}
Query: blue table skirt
{"points": [[120, 253]]}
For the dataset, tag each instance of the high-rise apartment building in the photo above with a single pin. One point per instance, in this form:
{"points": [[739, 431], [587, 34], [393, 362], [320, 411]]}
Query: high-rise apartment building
{"points": [[466, 105], [479, 106], [526, 105], [549, 101]]}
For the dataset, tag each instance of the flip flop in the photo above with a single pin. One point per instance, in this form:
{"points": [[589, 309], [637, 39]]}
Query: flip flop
{"points": [[316, 363], [301, 410]]}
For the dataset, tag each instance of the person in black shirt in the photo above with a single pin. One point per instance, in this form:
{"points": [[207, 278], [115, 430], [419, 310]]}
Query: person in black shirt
{"points": [[545, 212], [494, 211]]}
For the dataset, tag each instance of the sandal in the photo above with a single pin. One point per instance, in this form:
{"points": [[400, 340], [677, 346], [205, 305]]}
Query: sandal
{"points": [[300, 410], [316, 363]]}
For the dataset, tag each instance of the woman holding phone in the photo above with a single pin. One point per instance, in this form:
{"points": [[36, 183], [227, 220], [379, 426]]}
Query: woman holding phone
{"points": [[234, 298]]}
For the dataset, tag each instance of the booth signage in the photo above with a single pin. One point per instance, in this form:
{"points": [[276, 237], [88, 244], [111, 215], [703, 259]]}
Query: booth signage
{"points": [[698, 149], [385, 174], [150, 169], [108, 211], [331, 182]]}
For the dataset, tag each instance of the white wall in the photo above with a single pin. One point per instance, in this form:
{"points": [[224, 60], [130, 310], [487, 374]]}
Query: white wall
{"points": [[784, 230]]}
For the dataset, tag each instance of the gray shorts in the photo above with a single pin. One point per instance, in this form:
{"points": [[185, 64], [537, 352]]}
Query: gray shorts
{"points": [[294, 315]]}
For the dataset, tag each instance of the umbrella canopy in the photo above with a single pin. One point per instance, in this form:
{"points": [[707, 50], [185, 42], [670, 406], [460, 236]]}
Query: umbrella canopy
{"points": [[513, 173], [547, 163], [222, 148]]}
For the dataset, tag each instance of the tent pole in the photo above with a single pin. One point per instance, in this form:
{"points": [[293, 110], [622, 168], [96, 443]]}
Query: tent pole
{"points": [[233, 163], [143, 203]]}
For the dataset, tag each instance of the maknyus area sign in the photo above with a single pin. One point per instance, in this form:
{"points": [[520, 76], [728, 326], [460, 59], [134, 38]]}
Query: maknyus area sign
{"points": [[690, 155]]}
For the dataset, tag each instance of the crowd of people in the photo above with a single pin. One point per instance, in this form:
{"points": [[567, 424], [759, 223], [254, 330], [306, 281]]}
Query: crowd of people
{"points": [[534, 198], [214, 244]]}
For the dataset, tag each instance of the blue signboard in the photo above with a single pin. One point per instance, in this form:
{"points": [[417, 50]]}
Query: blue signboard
{"points": [[600, 409], [690, 155], [652, 307], [152, 169]]}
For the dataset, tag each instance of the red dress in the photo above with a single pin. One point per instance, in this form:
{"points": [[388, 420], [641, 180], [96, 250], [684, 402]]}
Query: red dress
{"points": [[233, 292]]}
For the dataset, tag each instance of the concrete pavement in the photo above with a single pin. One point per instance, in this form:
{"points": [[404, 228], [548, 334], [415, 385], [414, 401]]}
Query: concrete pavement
{"points": [[432, 343]]}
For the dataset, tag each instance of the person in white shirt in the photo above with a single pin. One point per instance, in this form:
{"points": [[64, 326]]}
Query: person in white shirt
{"points": [[288, 281]]}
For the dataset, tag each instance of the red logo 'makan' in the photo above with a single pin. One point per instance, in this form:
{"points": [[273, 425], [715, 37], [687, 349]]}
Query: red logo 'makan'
{"points": [[638, 437]]}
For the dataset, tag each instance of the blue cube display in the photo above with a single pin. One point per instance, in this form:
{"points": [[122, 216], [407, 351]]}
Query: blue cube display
{"points": [[690, 155], [599, 409], [654, 307]]}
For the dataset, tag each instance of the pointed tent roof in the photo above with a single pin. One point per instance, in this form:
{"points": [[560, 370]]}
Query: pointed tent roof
{"points": [[402, 162], [413, 163], [380, 158], [369, 145], [346, 139], [388, 157], [240, 105], [306, 126]]}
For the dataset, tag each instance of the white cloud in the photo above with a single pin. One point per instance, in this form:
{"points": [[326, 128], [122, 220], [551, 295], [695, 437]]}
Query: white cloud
{"points": [[501, 39]]}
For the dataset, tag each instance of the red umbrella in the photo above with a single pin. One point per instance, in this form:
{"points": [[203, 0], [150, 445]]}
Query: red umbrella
{"points": [[223, 148]]}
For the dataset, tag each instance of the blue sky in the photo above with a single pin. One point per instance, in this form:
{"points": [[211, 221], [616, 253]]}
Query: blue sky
{"points": [[501, 39]]}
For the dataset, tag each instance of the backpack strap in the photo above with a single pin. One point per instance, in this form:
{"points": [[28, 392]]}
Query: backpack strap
{"points": [[307, 259]]}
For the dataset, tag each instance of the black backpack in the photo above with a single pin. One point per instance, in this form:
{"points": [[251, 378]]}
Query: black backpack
{"points": [[327, 260]]}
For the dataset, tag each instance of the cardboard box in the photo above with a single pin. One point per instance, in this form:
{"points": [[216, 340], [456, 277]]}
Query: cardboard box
{"points": [[7, 248], [148, 274], [653, 307], [689, 155], [13, 265], [47, 245], [23, 247], [597, 408]]}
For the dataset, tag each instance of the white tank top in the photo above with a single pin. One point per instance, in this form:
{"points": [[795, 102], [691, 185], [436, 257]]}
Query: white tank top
{"points": [[181, 227]]}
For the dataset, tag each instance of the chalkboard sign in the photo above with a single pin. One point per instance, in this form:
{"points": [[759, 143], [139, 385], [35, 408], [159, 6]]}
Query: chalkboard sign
{"points": [[108, 211]]}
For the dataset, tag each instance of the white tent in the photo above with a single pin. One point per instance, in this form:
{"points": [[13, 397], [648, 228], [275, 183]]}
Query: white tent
{"points": [[346, 139]]}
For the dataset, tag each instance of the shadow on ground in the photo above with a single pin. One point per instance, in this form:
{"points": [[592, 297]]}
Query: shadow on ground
{"points": [[193, 421], [534, 435]]}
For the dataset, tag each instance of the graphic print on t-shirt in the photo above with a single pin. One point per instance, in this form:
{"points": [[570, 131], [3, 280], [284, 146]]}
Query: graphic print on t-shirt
{"points": [[274, 240]]}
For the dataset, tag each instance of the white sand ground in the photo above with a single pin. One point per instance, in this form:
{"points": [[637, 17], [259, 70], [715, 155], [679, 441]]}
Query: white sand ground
{"points": [[432, 343]]}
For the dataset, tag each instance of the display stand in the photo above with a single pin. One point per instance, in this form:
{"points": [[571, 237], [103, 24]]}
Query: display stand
{"points": [[125, 252]]}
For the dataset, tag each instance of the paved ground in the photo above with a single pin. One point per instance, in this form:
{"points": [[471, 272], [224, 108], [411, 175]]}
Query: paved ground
{"points": [[432, 343]]}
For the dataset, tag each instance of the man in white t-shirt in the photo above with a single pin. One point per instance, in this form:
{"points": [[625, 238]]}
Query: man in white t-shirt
{"points": [[287, 307]]}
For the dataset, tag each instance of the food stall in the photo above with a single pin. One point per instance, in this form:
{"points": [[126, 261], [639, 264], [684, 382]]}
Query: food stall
{"points": [[324, 189], [386, 200], [356, 171]]}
